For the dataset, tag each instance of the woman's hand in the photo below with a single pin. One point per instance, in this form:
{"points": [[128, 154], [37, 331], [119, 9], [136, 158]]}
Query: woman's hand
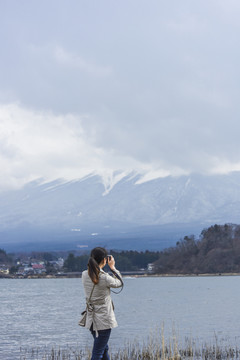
{"points": [[111, 263]]}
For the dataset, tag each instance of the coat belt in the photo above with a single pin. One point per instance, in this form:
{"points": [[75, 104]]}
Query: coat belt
{"points": [[96, 302]]}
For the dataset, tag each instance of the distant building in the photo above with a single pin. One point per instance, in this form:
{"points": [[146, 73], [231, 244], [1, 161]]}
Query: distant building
{"points": [[4, 269], [60, 262], [57, 264], [151, 268], [38, 268]]}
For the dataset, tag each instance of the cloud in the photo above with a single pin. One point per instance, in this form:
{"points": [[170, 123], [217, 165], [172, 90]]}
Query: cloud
{"points": [[148, 86], [68, 59], [45, 145], [41, 144]]}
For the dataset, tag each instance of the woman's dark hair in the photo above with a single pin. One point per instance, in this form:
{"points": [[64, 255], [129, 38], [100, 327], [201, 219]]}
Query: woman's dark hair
{"points": [[96, 257]]}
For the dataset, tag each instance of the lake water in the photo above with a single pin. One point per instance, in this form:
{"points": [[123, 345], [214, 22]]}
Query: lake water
{"points": [[43, 313]]}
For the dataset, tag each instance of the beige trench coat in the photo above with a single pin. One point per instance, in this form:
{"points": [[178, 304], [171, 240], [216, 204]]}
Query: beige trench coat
{"points": [[102, 317]]}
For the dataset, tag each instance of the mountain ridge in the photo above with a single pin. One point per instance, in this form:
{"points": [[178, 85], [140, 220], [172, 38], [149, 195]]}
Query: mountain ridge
{"points": [[92, 209]]}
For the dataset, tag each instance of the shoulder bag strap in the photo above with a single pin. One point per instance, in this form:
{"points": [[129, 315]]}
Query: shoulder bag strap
{"points": [[91, 293]]}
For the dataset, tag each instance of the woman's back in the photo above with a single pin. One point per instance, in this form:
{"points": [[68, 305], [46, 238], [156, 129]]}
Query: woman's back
{"points": [[101, 290], [100, 317]]}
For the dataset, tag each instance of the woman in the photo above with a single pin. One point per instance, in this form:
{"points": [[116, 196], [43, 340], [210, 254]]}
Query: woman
{"points": [[100, 314]]}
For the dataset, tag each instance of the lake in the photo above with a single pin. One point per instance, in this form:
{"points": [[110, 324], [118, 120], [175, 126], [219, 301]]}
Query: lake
{"points": [[43, 313]]}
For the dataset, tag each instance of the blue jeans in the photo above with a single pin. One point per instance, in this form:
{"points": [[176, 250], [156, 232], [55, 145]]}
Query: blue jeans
{"points": [[100, 345]]}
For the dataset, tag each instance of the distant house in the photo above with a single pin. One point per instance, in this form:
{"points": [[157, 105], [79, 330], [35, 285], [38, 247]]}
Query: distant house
{"points": [[60, 262], [28, 270], [20, 270], [38, 268], [57, 264], [151, 267], [4, 269]]}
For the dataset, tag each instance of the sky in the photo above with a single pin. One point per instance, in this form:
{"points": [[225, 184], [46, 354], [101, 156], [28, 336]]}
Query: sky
{"points": [[98, 86]]}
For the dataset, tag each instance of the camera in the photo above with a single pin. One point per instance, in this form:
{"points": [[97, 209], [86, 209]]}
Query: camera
{"points": [[109, 257]]}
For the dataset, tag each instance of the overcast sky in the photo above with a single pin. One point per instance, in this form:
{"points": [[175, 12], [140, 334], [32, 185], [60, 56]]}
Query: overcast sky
{"points": [[102, 85]]}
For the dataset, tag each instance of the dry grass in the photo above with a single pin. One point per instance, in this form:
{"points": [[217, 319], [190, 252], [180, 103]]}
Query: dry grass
{"points": [[156, 347]]}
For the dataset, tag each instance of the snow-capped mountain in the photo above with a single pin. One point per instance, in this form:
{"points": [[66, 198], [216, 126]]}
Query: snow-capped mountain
{"points": [[120, 211]]}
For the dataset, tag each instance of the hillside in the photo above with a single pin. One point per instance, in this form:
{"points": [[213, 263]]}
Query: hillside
{"points": [[216, 251]]}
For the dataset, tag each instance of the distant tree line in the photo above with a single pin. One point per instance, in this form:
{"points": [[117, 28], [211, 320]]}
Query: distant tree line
{"points": [[216, 251], [125, 260], [4, 257]]}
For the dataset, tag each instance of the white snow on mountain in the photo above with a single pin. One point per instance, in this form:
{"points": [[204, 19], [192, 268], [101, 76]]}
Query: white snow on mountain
{"points": [[111, 178], [118, 202]]}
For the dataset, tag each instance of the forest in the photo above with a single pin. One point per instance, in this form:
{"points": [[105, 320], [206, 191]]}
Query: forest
{"points": [[125, 260], [217, 250]]}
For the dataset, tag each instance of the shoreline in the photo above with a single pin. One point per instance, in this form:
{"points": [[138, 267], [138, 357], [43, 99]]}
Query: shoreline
{"points": [[124, 275]]}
